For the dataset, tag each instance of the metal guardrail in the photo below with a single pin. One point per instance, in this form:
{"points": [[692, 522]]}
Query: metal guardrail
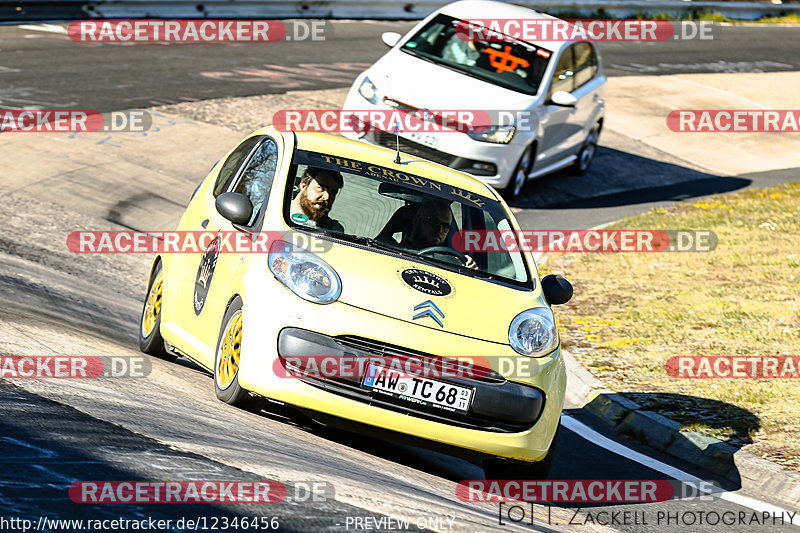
{"points": [[31, 10]]}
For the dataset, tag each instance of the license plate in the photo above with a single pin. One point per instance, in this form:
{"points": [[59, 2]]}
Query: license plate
{"points": [[427, 139], [418, 390]]}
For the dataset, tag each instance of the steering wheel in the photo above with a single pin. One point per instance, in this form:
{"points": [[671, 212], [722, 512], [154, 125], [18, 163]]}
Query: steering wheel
{"points": [[430, 250]]}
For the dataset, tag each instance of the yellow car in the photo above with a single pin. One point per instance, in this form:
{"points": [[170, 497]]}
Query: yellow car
{"points": [[366, 270]]}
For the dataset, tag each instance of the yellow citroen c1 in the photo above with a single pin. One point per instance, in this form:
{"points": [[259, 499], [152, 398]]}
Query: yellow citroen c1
{"points": [[367, 268]]}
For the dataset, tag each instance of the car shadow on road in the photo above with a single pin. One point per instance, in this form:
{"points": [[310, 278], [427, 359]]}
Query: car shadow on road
{"points": [[620, 178], [390, 446]]}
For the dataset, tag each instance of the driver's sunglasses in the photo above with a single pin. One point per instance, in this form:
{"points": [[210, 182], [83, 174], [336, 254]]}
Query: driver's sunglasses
{"points": [[443, 226]]}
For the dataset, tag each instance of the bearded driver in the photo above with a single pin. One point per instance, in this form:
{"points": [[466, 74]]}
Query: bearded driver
{"points": [[318, 188]]}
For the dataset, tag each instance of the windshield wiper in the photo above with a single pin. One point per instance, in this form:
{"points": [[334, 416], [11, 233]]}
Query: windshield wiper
{"points": [[373, 243]]}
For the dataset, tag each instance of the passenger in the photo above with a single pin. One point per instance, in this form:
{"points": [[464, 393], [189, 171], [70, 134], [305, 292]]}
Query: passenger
{"points": [[429, 227]]}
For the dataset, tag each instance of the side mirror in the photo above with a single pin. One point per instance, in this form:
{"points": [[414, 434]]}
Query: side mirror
{"points": [[390, 38], [557, 290], [564, 99], [235, 207]]}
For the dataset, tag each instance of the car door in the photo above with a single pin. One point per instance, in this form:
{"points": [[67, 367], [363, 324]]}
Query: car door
{"points": [[209, 274], [588, 91], [564, 128], [555, 119]]}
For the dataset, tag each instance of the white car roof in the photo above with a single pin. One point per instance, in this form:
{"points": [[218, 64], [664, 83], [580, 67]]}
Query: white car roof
{"points": [[485, 9]]}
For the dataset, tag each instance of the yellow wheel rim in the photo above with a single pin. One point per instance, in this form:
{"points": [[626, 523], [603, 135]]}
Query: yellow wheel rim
{"points": [[153, 306], [229, 351]]}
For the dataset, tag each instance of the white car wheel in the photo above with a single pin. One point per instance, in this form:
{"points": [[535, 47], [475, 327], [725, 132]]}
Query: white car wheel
{"points": [[587, 153], [520, 176]]}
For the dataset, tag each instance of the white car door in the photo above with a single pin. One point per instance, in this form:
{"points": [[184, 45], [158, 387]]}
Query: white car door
{"points": [[564, 128]]}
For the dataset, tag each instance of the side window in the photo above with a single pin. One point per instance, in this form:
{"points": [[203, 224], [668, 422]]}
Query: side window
{"points": [[585, 63], [505, 264], [564, 74], [256, 180], [232, 164]]}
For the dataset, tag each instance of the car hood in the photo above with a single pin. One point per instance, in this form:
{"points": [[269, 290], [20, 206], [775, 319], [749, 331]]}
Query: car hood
{"points": [[437, 87], [439, 299]]}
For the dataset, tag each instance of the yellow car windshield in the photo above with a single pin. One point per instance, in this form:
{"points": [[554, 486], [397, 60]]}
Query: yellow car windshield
{"points": [[404, 213]]}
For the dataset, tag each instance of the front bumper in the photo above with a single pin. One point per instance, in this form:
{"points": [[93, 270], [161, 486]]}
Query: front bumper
{"points": [[498, 405], [271, 309]]}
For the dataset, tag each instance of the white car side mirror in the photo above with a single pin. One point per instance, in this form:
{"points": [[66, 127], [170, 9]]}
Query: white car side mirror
{"points": [[390, 38], [564, 99]]}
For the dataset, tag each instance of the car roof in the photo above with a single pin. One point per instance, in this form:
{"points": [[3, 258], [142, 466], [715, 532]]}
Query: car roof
{"points": [[486, 9], [361, 151]]}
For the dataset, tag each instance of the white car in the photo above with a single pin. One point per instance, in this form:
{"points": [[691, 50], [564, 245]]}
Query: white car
{"points": [[556, 101]]}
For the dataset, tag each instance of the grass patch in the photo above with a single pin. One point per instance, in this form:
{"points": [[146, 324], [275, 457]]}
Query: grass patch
{"points": [[631, 312], [793, 18]]}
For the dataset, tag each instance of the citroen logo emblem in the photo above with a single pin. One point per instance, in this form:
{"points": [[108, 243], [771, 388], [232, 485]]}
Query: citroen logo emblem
{"points": [[428, 308]]}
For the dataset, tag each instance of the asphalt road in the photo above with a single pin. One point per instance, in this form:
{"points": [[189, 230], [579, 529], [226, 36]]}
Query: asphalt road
{"points": [[48, 70], [170, 426]]}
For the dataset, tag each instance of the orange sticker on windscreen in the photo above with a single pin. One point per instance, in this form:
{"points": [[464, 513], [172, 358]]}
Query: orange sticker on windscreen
{"points": [[505, 61]]}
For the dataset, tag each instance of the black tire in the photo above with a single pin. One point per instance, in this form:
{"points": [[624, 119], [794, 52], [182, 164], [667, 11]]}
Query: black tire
{"points": [[505, 469], [150, 340], [587, 153], [227, 387], [520, 176]]}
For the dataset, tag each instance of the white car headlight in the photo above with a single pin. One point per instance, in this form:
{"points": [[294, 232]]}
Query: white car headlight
{"points": [[533, 332], [494, 134], [368, 90], [304, 274]]}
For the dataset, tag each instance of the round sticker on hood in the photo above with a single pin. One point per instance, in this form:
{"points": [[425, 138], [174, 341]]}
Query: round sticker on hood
{"points": [[426, 282]]}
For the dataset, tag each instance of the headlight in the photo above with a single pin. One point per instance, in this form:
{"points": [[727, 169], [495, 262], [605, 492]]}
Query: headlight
{"points": [[494, 134], [368, 90], [304, 274], [533, 332]]}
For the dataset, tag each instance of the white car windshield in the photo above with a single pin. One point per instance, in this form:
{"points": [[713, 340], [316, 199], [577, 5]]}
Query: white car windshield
{"points": [[502, 60], [403, 214]]}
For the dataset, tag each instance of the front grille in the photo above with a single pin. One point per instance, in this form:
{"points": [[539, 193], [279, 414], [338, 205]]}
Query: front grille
{"points": [[498, 405], [382, 349], [484, 381], [388, 140]]}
